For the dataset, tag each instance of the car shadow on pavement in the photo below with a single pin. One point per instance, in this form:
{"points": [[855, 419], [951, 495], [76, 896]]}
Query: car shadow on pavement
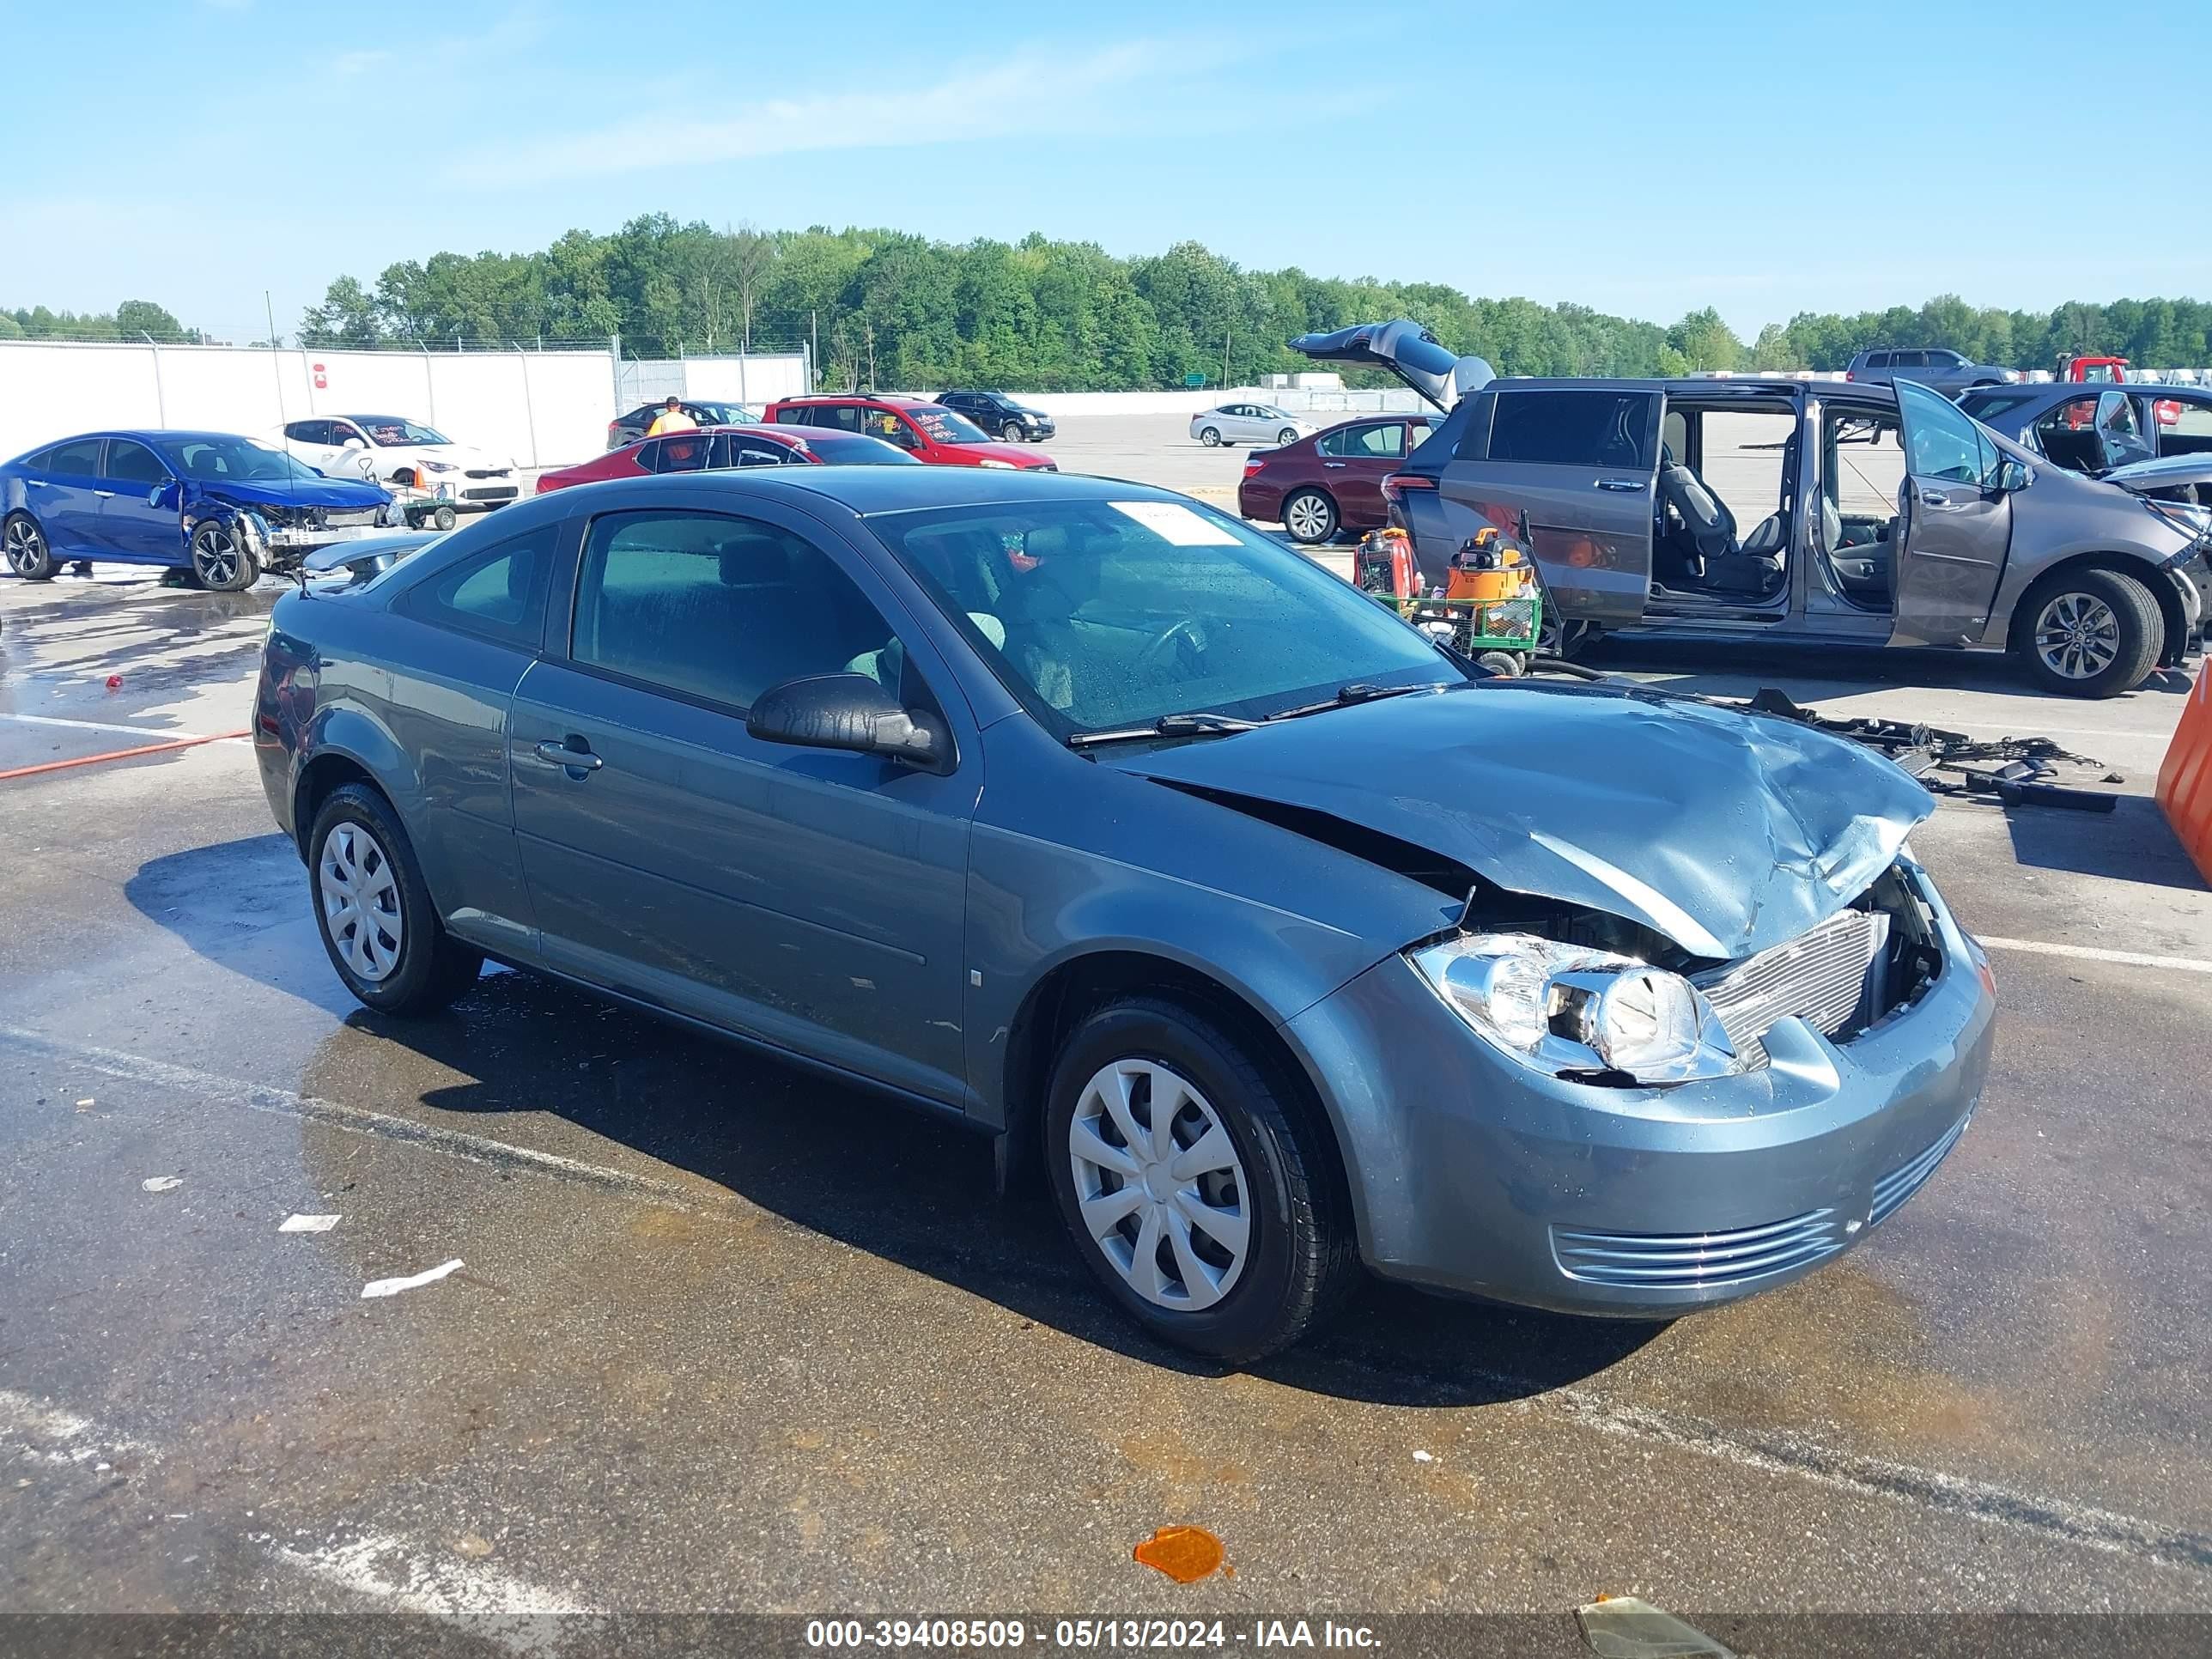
{"points": [[2134, 843], [920, 1194]]}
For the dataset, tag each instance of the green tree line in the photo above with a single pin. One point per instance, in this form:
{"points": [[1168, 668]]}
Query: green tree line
{"points": [[887, 308], [134, 320]]}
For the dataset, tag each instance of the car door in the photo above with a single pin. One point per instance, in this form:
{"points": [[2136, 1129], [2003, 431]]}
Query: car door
{"points": [[1354, 461], [140, 510], [1577, 469], [811, 899], [1954, 524], [66, 499]]}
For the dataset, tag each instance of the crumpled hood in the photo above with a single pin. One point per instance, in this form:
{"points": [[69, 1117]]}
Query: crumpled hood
{"points": [[344, 493], [1727, 833], [2167, 472]]}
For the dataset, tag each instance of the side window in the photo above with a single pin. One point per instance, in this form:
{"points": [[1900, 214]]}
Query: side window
{"points": [[1574, 429], [716, 608], [1877, 359], [305, 432], [648, 455], [686, 454], [892, 429], [1908, 360], [1940, 441], [750, 451], [79, 460], [1674, 435], [1337, 443], [133, 463], [843, 417], [794, 414], [1378, 442], [499, 594]]}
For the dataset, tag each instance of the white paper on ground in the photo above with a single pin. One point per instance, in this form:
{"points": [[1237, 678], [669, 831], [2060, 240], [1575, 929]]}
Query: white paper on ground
{"points": [[307, 1224], [1176, 524], [160, 1183], [394, 1286]]}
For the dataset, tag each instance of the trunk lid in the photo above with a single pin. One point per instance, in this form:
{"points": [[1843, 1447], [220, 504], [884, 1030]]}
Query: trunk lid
{"points": [[1407, 350]]}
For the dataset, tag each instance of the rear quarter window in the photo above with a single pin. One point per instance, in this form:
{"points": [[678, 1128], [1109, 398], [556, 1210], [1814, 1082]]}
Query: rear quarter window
{"points": [[1574, 429], [498, 594]]}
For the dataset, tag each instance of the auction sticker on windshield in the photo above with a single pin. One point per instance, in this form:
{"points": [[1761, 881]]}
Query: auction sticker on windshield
{"points": [[1175, 523]]}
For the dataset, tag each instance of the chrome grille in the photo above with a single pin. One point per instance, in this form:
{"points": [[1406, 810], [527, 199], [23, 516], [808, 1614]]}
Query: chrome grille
{"points": [[1819, 977], [1893, 1188], [1692, 1260]]}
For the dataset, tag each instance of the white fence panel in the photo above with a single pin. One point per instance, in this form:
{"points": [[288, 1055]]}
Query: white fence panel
{"points": [[758, 380]]}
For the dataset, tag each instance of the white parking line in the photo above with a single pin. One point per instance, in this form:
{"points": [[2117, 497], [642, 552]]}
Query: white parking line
{"points": [[2036, 947], [154, 732], [1773, 1451]]}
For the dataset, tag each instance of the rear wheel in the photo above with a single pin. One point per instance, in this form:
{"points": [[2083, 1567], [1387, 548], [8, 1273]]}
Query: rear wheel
{"points": [[1310, 516], [443, 517], [1289, 434], [28, 554], [1011, 432], [1201, 1195], [2091, 633], [372, 909], [220, 563], [1210, 437]]}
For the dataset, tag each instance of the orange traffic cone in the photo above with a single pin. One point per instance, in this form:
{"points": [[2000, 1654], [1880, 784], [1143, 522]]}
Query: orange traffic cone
{"points": [[2185, 779]]}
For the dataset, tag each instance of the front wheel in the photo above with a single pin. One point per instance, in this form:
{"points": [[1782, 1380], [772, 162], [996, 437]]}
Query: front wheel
{"points": [[2092, 633], [1200, 1193], [28, 554], [372, 909], [1310, 516], [444, 518], [1210, 437], [220, 560]]}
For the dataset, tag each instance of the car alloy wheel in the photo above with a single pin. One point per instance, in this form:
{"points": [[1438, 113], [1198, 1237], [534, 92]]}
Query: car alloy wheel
{"points": [[1011, 433], [27, 550], [1162, 1191], [1308, 517], [217, 559], [2077, 635], [361, 901], [1210, 437], [1289, 434]]}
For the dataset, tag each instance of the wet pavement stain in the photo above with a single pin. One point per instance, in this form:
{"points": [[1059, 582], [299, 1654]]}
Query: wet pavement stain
{"points": [[1185, 1554]]}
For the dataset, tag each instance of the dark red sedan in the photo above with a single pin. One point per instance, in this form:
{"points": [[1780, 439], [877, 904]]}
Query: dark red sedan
{"points": [[713, 448], [1331, 482]]}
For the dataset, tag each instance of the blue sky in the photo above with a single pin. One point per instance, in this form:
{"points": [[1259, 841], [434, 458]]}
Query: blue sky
{"points": [[1766, 157]]}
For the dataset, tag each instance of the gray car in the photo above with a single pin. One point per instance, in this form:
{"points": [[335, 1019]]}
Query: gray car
{"points": [[1269, 935], [1946, 371], [1817, 513]]}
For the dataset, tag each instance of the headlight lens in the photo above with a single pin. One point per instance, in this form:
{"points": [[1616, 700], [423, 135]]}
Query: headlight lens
{"points": [[2195, 522], [1566, 1008], [441, 467], [988, 461]]}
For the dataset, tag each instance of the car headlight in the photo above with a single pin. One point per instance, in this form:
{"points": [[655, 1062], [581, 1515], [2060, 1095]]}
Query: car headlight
{"points": [[1567, 1009], [441, 467], [2194, 522], [988, 461], [392, 515]]}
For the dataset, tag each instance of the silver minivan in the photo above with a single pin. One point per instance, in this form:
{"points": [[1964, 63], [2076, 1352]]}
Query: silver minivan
{"points": [[1817, 513]]}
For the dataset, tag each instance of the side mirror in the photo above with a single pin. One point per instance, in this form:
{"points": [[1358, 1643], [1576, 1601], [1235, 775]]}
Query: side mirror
{"points": [[850, 712], [166, 497], [354, 443], [2012, 475]]}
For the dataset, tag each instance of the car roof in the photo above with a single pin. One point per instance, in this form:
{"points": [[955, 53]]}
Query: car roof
{"points": [[872, 489], [900, 399], [2052, 392]]}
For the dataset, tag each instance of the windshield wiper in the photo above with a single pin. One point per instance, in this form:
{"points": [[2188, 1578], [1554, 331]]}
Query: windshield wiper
{"points": [[1168, 725], [1346, 696]]}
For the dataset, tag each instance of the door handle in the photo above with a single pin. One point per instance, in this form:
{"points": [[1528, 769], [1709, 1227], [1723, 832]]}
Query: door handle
{"points": [[1624, 485], [559, 754], [1936, 498], [1334, 466], [105, 495], [36, 484]]}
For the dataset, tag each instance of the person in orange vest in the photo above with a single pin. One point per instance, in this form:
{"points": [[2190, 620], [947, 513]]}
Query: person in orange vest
{"points": [[672, 418]]}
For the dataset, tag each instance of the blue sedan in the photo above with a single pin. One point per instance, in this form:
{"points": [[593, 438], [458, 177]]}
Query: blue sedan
{"points": [[1271, 936], [222, 506]]}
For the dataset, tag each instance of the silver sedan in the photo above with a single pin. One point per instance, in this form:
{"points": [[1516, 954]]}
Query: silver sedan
{"points": [[1248, 423]]}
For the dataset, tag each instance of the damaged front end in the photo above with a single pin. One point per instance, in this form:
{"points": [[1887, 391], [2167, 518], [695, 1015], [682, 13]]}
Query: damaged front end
{"points": [[275, 536]]}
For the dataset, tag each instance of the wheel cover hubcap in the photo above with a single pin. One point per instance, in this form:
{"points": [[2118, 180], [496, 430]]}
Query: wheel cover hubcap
{"points": [[1161, 1189], [216, 555], [361, 901], [2077, 635]]}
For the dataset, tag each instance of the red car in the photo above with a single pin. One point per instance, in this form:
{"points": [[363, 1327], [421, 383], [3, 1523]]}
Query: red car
{"points": [[707, 449], [928, 432], [1330, 484]]}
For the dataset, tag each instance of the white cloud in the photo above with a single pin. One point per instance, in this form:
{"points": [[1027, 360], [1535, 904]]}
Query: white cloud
{"points": [[1077, 94]]}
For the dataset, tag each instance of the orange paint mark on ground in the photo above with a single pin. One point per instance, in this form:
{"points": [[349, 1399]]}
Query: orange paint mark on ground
{"points": [[118, 753], [1184, 1554]]}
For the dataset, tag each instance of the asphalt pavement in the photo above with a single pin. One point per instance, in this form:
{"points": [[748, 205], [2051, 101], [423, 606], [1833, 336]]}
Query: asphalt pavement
{"points": [[722, 1337]]}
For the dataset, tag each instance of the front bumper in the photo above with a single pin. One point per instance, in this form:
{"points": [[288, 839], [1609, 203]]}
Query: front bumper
{"points": [[1473, 1174]]}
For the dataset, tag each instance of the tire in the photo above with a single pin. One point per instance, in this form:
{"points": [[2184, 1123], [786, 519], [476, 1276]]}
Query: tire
{"points": [[2089, 633], [1310, 516], [220, 563], [1210, 437], [444, 518], [1504, 663], [29, 553], [394, 955], [1279, 1178], [1289, 434], [1011, 432]]}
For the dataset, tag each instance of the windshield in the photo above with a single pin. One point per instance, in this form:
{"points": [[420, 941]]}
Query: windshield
{"points": [[723, 414], [391, 432], [944, 427], [233, 460], [1099, 615]]}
